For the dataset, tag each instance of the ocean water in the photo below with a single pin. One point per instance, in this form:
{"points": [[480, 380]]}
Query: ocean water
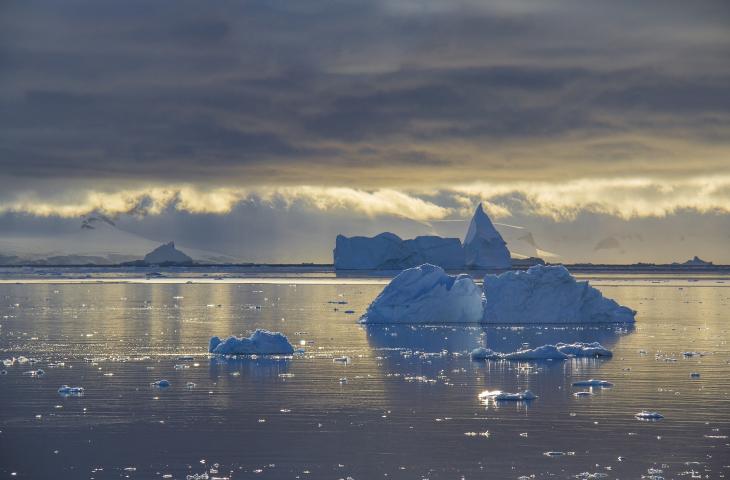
{"points": [[406, 405]]}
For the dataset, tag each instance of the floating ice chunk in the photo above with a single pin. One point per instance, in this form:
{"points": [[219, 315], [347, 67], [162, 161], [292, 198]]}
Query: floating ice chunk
{"points": [[519, 396], [261, 342], [161, 383], [583, 394], [482, 353], [593, 383], [500, 396], [67, 391], [560, 351], [580, 349], [545, 352], [426, 294], [547, 294], [647, 415], [554, 454]]}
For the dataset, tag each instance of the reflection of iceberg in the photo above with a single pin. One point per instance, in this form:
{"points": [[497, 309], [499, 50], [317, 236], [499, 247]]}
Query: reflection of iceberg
{"points": [[257, 367], [548, 294], [426, 294], [465, 338]]}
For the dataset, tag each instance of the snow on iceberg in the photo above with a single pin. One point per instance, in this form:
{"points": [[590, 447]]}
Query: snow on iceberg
{"points": [[426, 294], [548, 294], [261, 342], [484, 247], [560, 351], [388, 251]]}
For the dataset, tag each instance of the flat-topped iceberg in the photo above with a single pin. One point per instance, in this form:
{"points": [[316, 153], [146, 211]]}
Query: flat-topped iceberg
{"points": [[261, 342], [388, 251], [484, 247], [427, 294], [548, 294], [560, 351]]}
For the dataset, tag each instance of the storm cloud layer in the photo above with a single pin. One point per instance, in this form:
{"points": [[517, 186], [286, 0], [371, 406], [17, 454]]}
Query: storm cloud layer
{"points": [[546, 109]]}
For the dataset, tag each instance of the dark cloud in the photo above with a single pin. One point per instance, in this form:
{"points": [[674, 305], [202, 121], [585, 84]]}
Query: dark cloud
{"points": [[324, 90]]}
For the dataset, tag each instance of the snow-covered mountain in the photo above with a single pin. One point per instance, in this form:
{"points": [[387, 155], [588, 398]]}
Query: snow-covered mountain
{"points": [[98, 241]]}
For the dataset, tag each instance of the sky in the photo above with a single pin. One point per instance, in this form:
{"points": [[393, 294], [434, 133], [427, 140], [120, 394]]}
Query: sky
{"points": [[262, 129]]}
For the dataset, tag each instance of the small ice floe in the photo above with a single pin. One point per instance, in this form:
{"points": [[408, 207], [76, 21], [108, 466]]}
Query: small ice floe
{"points": [[583, 394], [161, 383], [500, 396], [560, 351], [694, 375], [67, 391], [343, 360], [593, 383], [261, 342], [35, 373], [647, 415]]}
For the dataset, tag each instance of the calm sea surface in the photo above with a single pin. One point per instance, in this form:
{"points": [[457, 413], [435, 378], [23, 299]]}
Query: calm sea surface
{"points": [[405, 406]]}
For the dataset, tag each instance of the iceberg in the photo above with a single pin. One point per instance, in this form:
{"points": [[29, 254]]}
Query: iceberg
{"points": [[580, 349], [426, 294], [646, 415], [387, 251], [561, 351], [548, 294], [593, 383], [67, 391], [167, 254], [261, 342], [484, 247], [500, 396]]}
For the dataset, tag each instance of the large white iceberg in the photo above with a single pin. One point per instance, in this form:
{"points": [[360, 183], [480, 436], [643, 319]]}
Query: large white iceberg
{"points": [[167, 254], [483, 245], [547, 294], [261, 342], [427, 294], [388, 251]]}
